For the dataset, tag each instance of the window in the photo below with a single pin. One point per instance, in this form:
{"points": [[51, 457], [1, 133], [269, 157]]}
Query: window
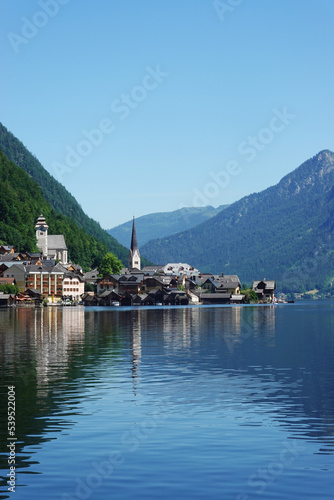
{"points": [[41, 233]]}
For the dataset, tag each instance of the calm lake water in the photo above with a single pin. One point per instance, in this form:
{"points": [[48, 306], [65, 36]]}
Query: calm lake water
{"points": [[173, 403]]}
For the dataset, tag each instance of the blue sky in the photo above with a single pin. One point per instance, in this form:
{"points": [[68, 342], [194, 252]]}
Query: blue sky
{"points": [[140, 107]]}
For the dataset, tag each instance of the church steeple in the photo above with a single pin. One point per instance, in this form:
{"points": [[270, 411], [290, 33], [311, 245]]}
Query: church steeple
{"points": [[41, 229], [134, 255]]}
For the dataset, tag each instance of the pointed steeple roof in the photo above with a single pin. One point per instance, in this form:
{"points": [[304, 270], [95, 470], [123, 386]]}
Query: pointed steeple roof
{"points": [[134, 244]]}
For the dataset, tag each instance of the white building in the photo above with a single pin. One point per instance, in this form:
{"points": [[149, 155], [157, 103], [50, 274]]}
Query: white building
{"points": [[52, 246], [73, 286], [180, 269]]}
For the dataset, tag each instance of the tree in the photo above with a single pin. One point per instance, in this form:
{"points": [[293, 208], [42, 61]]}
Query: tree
{"points": [[110, 265], [250, 296], [6, 288]]}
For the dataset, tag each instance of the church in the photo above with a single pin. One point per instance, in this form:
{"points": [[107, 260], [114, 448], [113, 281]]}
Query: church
{"points": [[51, 246], [134, 255]]}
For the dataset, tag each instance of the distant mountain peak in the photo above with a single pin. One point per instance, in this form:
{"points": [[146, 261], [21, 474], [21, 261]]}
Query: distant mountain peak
{"points": [[285, 232]]}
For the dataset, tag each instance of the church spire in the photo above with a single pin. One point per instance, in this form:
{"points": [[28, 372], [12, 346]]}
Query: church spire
{"points": [[134, 255], [134, 244]]}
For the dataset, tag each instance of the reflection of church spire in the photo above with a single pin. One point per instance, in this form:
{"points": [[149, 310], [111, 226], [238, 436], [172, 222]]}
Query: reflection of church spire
{"points": [[136, 348], [134, 255]]}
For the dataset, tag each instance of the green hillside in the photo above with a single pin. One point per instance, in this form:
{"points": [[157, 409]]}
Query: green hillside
{"points": [[284, 233], [22, 201], [162, 224], [62, 202]]}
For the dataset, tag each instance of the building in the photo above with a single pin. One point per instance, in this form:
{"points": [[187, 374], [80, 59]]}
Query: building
{"points": [[134, 255], [51, 246], [17, 271], [6, 249], [265, 290], [180, 269], [73, 286], [48, 280]]}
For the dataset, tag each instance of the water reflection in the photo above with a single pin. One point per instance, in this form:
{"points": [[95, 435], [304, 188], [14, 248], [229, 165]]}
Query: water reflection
{"points": [[264, 365]]}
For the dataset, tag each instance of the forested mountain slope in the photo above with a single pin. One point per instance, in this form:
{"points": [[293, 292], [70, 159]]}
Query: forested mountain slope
{"points": [[284, 232], [55, 193], [162, 224], [22, 201]]}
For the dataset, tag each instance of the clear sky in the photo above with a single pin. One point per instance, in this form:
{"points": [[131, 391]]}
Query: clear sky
{"points": [[148, 106]]}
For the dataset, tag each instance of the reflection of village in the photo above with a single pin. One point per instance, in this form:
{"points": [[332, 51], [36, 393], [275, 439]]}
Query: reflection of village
{"points": [[50, 336], [47, 334], [42, 348], [48, 277]]}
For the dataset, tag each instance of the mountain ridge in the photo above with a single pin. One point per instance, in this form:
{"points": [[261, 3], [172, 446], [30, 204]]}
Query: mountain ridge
{"points": [[161, 224], [55, 193], [237, 239]]}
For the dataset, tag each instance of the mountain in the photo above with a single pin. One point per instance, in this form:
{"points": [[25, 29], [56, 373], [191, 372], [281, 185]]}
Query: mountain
{"points": [[61, 201], [162, 224], [20, 200], [284, 233]]}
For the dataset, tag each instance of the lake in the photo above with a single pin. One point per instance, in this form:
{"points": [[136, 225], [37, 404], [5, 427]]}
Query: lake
{"points": [[208, 402]]}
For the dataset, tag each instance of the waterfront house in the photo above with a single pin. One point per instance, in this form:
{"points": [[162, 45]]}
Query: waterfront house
{"points": [[264, 289], [107, 282], [130, 283], [7, 299]]}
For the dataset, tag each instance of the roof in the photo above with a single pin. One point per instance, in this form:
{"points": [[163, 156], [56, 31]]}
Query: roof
{"points": [[134, 244], [7, 281], [238, 297], [56, 242], [10, 256], [45, 269], [148, 269], [91, 274], [8, 248], [73, 275], [41, 222], [18, 265], [269, 284], [105, 294], [228, 284], [215, 296]]}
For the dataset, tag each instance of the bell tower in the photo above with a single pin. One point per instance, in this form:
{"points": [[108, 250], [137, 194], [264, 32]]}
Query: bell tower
{"points": [[41, 228], [134, 255]]}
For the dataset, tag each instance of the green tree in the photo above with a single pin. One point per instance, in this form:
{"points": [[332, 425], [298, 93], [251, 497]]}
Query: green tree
{"points": [[89, 287], [250, 296], [110, 264], [14, 289]]}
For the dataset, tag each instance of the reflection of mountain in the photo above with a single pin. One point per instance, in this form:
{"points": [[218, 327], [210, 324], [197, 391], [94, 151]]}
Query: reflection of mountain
{"points": [[258, 363], [268, 362], [44, 353]]}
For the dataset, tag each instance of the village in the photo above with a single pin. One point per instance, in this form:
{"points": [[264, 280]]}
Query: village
{"points": [[48, 278]]}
